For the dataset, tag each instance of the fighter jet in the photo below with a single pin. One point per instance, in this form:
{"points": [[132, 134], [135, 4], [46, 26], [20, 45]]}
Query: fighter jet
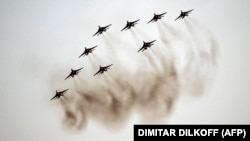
{"points": [[59, 94], [184, 14], [130, 24], [157, 17], [87, 51], [73, 73], [102, 69], [146, 45], [101, 29]]}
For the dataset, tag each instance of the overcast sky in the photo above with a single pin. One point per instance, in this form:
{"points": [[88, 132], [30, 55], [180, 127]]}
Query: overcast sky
{"points": [[41, 38]]}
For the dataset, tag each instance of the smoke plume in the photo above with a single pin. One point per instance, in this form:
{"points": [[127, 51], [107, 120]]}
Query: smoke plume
{"points": [[147, 83]]}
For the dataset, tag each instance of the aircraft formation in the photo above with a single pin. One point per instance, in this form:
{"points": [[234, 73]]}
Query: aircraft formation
{"points": [[101, 30]]}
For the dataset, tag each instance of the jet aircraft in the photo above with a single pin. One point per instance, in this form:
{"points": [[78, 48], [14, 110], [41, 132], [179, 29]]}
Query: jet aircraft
{"points": [[87, 51], [73, 73], [130, 24], [59, 94], [102, 69], [183, 14], [157, 17], [146, 45], [101, 29]]}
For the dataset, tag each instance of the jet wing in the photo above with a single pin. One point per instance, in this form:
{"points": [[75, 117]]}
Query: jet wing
{"points": [[79, 69], [84, 53], [178, 18], [136, 21], [126, 27], [162, 14], [152, 41], [53, 97], [108, 66], [96, 33], [92, 48], [151, 20], [64, 90], [68, 76], [141, 49], [97, 72], [190, 10], [107, 26]]}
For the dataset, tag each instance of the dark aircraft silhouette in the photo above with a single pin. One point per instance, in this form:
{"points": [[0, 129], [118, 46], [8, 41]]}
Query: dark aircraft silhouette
{"points": [[130, 24], [157, 17], [101, 29], [59, 94], [73, 73], [146, 45], [87, 51], [102, 69], [184, 14]]}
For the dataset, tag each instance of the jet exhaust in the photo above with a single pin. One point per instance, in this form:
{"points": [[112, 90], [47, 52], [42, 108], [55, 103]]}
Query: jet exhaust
{"points": [[151, 87]]}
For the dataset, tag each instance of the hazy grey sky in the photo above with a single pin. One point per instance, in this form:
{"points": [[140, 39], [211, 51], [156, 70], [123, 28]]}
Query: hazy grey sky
{"points": [[39, 39]]}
